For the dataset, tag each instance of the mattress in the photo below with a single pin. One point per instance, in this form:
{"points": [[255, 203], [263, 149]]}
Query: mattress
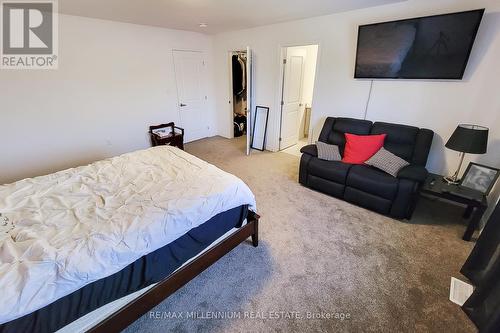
{"points": [[74, 227], [127, 284]]}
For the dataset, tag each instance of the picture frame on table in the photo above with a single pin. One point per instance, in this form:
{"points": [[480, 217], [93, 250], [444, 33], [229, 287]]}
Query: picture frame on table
{"points": [[480, 177]]}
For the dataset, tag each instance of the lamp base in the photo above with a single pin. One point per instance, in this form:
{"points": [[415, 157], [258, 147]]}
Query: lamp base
{"points": [[451, 180], [454, 180]]}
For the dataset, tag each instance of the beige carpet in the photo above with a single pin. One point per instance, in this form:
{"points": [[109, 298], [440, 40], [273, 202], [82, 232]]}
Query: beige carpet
{"points": [[321, 255]]}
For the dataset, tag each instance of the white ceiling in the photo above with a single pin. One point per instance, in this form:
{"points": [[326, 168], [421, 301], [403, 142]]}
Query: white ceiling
{"points": [[220, 15]]}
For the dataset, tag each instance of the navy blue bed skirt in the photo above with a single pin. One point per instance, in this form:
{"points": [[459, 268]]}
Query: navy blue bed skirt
{"points": [[145, 271]]}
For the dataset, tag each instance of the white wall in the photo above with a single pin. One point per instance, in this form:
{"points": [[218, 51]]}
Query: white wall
{"points": [[114, 80], [437, 105]]}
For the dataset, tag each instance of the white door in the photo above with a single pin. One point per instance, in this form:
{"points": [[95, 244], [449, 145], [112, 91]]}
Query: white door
{"points": [[250, 106], [189, 76], [293, 73]]}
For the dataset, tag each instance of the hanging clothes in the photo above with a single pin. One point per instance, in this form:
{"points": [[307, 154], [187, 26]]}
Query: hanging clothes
{"points": [[482, 268], [239, 74], [244, 74]]}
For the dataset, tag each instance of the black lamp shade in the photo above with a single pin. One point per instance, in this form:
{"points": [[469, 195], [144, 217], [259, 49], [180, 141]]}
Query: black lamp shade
{"points": [[471, 139]]}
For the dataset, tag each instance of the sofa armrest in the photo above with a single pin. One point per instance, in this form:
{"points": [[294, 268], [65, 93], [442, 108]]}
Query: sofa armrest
{"points": [[413, 172], [310, 150]]}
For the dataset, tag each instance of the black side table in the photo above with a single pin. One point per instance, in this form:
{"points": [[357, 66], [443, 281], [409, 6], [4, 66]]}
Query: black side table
{"points": [[474, 201]]}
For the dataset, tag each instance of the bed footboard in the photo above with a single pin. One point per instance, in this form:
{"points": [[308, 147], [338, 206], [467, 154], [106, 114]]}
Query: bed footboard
{"points": [[255, 218], [122, 318]]}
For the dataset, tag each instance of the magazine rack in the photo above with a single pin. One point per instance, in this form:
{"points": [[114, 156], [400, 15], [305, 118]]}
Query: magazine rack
{"points": [[167, 134]]}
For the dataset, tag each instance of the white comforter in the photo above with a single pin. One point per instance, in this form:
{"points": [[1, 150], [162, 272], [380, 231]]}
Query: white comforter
{"points": [[68, 229]]}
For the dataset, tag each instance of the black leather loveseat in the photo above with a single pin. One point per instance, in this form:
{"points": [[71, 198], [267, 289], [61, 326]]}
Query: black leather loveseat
{"points": [[364, 185]]}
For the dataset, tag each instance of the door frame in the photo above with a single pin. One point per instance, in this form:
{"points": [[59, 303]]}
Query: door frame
{"points": [[280, 83], [285, 56], [250, 94], [230, 54]]}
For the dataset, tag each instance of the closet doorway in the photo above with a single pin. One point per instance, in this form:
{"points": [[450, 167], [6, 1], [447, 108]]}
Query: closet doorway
{"points": [[297, 90], [240, 96]]}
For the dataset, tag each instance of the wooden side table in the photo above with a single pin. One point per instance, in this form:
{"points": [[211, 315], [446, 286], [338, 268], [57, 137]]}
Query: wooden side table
{"points": [[474, 201], [171, 137]]}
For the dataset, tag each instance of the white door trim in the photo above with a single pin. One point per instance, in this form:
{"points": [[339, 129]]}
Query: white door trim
{"points": [[288, 106], [230, 96], [250, 103]]}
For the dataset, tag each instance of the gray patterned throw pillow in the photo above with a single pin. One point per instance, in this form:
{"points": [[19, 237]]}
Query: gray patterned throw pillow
{"points": [[328, 152], [386, 161]]}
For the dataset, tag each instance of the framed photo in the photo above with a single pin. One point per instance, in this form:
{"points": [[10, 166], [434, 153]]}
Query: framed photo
{"points": [[260, 128], [480, 177]]}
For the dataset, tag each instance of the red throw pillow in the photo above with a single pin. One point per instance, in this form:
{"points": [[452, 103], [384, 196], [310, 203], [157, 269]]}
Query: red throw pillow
{"points": [[359, 148]]}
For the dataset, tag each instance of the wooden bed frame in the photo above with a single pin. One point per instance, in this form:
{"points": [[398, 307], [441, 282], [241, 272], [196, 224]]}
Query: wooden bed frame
{"points": [[122, 318]]}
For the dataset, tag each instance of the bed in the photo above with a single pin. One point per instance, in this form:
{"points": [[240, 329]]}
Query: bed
{"points": [[95, 247]]}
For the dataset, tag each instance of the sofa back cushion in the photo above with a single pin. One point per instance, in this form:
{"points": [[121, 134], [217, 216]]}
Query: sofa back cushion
{"points": [[334, 130], [408, 142], [400, 139], [422, 147]]}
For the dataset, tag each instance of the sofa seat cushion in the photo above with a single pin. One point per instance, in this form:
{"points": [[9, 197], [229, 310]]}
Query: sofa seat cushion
{"points": [[331, 170], [373, 181]]}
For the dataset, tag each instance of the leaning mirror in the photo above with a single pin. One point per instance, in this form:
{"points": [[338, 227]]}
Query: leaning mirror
{"points": [[260, 128]]}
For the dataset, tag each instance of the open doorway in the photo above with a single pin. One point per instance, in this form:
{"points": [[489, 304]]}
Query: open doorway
{"points": [[239, 96], [297, 88]]}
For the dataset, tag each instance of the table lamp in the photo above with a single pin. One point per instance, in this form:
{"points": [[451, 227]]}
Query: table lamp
{"points": [[471, 139]]}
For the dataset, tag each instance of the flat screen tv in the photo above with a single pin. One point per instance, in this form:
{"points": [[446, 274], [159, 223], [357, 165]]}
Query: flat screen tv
{"points": [[431, 47]]}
